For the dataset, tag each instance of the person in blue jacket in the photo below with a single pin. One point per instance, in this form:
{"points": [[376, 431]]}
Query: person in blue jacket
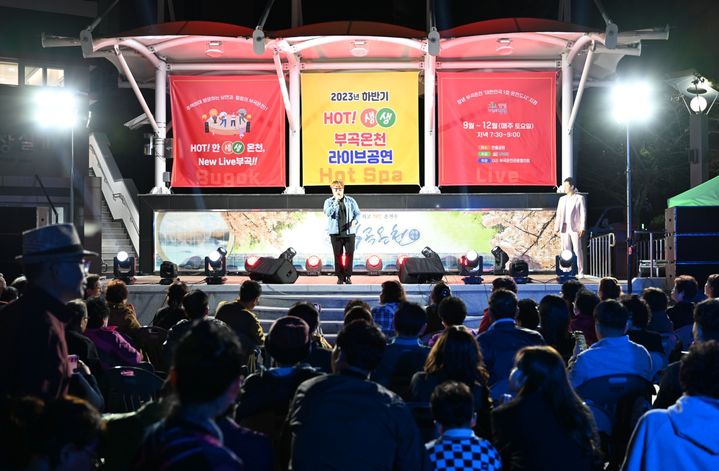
{"points": [[342, 219]]}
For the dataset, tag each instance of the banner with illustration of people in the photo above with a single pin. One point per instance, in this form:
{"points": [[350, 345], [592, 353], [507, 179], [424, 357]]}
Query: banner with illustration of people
{"points": [[361, 128], [229, 131], [497, 128]]}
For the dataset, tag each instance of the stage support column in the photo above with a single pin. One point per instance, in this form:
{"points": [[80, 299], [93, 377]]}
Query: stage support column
{"points": [[161, 119], [567, 135], [294, 187], [430, 150]]}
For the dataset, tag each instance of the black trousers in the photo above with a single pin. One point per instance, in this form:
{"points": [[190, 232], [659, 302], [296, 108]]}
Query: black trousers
{"points": [[344, 243]]}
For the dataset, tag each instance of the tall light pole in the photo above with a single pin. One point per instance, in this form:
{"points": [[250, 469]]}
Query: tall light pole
{"points": [[631, 104], [57, 108]]}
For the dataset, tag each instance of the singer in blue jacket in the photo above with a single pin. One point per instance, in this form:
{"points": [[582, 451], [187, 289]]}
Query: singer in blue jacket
{"points": [[342, 218]]}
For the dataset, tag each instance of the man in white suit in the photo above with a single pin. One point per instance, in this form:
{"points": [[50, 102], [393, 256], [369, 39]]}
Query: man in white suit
{"points": [[570, 221]]}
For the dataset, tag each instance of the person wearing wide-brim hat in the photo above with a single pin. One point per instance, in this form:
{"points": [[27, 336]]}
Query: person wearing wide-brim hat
{"points": [[33, 352]]}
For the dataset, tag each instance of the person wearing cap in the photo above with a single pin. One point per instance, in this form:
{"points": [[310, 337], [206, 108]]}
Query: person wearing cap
{"points": [[343, 215], [33, 351]]}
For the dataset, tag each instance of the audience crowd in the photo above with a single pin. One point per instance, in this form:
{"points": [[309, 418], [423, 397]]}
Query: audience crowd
{"points": [[567, 383]]}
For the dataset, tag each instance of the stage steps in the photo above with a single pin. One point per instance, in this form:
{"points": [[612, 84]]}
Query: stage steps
{"points": [[114, 239]]}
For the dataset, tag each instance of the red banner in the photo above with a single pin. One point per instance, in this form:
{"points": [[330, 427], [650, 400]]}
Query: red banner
{"points": [[228, 131], [497, 128]]}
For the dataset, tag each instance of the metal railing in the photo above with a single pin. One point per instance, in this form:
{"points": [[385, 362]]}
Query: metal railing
{"points": [[600, 254], [649, 252]]}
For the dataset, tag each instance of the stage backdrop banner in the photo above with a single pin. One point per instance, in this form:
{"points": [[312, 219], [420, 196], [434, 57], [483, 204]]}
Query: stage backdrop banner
{"points": [[497, 128], [360, 128], [228, 131]]}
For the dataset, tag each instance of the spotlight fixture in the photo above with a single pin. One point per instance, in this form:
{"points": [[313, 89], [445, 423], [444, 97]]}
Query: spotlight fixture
{"points": [[500, 261], [123, 267], [519, 270], [429, 253], [168, 272], [251, 262], [471, 267], [313, 265], [374, 265], [565, 266], [288, 254], [216, 266]]}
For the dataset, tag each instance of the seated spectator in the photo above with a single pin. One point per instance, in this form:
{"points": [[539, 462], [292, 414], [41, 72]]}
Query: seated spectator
{"points": [[527, 314], [122, 314], [266, 395], [609, 288], [93, 289], [112, 348], [320, 356], [501, 282], [404, 356], [554, 325], [681, 313], [391, 296], [358, 424], [613, 353], [456, 357], [207, 376], [570, 288], [706, 327], [657, 301], [252, 448], [452, 311], [503, 339], [583, 319], [173, 313], [637, 331], [457, 446], [357, 313], [196, 307], [711, 288], [20, 432], [356, 303], [567, 437], [439, 291], [77, 343], [240, 317], [683, 436]]}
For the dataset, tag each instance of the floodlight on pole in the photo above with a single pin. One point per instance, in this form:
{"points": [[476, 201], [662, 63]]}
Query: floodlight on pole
{"points": [[631, 103]]}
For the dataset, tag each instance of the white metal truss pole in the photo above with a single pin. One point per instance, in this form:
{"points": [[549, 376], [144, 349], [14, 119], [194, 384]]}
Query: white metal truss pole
{"points": [[430, 151], [567, 100], [294, 187], [161, 132]]}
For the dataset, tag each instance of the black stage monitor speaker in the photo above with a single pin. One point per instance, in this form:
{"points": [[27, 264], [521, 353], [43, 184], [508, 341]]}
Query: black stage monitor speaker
{"points": [[416, 270], [274, 271]]}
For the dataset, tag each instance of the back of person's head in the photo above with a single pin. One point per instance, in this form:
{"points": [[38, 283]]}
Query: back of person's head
{"points": [[288, 340], [175, 292], [503, 304], [70, 426], [440, 290], [409, 320], [360, 345], [116, 291], [9, 294], [356, 303], [79, 313], [92, 283], [20, 431], [250, 290], [706, 318], [570, 289], [585, 302], [357, 313], [207, 361], [308, 313], [611, 316], [656, 299], [639, 311], [196, 304], [541, 370], [456, 356], [609, 288], [452, 405], [687, 286], [528, 314], [699, 371], [452, 311], [97, 312], [392, 292], [554, 319], [711, 288], [504, 282]]}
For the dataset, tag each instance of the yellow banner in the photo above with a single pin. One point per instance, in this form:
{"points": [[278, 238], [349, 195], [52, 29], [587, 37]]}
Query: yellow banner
{"points": [[360, 128]]}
